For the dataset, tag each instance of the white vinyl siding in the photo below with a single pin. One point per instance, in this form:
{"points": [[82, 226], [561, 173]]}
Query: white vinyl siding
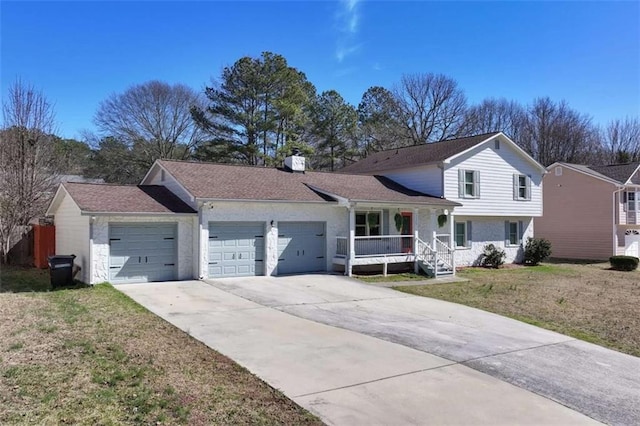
{"points": [[425, 179], [72, 235], [496, 170]]}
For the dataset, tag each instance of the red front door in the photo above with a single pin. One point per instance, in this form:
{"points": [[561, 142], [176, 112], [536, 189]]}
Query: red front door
{"points": [[407, 229]]}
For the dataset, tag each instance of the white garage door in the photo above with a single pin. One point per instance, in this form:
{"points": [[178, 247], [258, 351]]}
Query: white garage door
{"points": [[301, 247], [142, 252], [236, 249]]}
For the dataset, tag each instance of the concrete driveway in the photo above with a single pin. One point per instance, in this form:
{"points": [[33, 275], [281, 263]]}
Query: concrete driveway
{"points": [[357, 354]]}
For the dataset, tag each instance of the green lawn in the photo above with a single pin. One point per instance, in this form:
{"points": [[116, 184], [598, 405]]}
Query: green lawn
{"points": [[93, 356], [586, 301]]}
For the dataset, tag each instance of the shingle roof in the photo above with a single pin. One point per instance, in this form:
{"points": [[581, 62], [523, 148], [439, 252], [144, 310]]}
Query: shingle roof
{"points": [[233, 182], [620, 172], [102, 198], [415, 155]]}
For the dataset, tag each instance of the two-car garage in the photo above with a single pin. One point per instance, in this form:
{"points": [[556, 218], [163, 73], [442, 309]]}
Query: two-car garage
{"points": [[238, 249]]}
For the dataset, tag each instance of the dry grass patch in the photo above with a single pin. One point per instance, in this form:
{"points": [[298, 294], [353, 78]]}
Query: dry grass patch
{"points": [[586, 301], [93, 356]]}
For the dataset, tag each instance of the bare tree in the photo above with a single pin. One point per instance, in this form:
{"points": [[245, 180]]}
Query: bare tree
{"points": [[26, 161], [495, 115], [431, 107], [621, 139], [379, 124], [555, 132], [154, 115]]}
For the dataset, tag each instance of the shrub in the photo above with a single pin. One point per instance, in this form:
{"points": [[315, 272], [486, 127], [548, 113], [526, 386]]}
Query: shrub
{"points": [[536, 250], [492, 256], [624, 263]]}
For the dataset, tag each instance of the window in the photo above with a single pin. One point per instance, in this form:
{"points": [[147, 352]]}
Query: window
{"points": [[462, 234], [513, 233], [631, 201], [521, 187], [367, 223], [468, 183], [558, 171], [497, 144], [161, 175]]}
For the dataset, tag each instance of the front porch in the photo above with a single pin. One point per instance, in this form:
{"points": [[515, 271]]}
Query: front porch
{"points": [[435, 258]]}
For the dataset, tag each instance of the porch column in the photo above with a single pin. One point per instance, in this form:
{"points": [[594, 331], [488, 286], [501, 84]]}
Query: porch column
{"points": [[452, 240], [352, 239], [416, 223]]}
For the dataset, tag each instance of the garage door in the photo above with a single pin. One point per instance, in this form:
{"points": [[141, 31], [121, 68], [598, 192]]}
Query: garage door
{"points": [[301, 247], [142, 252], [236, 249]]}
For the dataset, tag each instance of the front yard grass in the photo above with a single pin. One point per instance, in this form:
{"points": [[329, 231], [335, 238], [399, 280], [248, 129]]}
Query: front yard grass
{"points": [[93, 356], [586, 301]]}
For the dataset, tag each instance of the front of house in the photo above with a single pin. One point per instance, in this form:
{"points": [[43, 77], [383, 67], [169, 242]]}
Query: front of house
{"points": [[201, 220], [498, 185]]}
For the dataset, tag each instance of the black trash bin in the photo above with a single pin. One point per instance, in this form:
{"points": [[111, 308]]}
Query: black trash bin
{"points": [[61, 270]]}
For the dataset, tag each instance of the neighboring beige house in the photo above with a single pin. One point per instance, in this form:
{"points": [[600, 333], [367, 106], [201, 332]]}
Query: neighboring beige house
{"points": [[591, 212]]}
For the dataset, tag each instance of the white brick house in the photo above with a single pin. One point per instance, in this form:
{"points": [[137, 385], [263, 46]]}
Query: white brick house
{"points": [[431, 206]]}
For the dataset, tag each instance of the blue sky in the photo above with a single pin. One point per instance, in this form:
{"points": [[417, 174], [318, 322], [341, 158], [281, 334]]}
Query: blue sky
{"points": [[78, 53]]}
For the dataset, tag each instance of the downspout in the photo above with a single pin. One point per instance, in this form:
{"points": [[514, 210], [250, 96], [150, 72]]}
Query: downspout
{"points": [[200, 275], [615, 228], [91, 267]]}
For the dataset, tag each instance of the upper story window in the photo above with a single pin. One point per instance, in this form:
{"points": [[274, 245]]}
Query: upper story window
{"points": [[521, 187], [468, 183], [368, 223], [632, 201], [162, 176], [558, 171]]}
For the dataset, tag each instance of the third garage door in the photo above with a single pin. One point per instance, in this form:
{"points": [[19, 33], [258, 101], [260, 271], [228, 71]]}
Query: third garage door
{"points": [[236, 249], [301, 247]]}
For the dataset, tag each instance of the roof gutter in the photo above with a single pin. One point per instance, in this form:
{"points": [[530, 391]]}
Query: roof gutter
{"points": [[89, 213], [251, 200]]}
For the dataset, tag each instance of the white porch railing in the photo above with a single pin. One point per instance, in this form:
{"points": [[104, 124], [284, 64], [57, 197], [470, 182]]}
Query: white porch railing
{"points": [[379, 245], [436, 260]]}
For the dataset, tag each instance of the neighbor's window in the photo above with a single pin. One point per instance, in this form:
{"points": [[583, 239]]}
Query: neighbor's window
{"points": [[461, 234], [367, 223], [521, 187], [469, 183], [558, 171]]}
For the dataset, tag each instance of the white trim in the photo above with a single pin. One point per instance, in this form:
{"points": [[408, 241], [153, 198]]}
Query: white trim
{"points": [[505, 138], [157, 163], [57, 199], [89, 213], [627, 182]]}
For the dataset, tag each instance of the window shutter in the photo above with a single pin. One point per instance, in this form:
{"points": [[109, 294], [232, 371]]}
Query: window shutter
{"points": [[476, 184], [385, 222], [520, 230], [460, 183], [506, 233], [528, 187], [469, 237], [515, 186]]}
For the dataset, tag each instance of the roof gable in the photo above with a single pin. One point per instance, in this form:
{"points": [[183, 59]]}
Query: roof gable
{"points": [[622, 173], [415, 155], [431, 153], [115, 199], [210, 181]]}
